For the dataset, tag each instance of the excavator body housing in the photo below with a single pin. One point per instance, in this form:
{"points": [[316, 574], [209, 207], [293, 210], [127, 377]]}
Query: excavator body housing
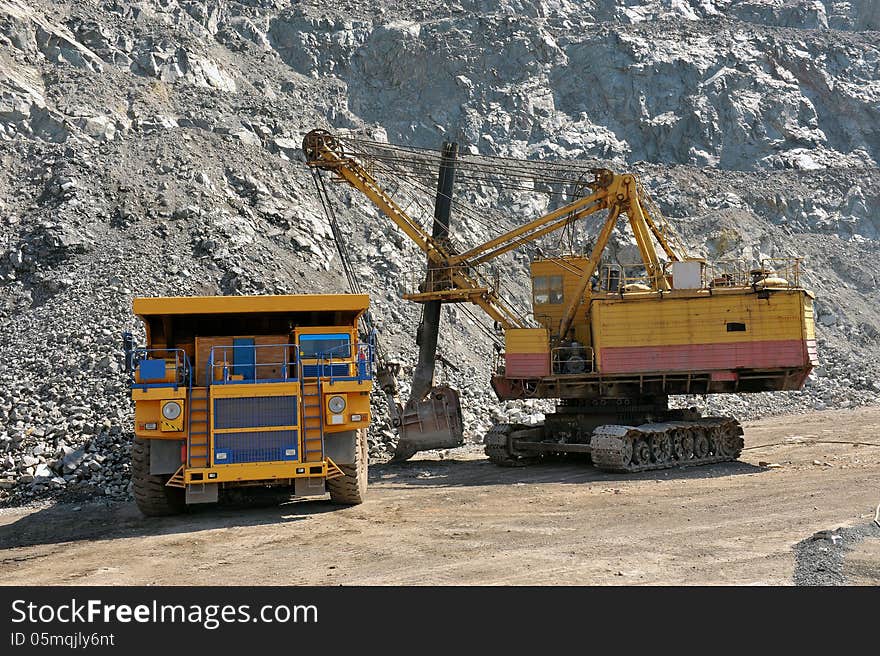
{"points": [[733, 331]]}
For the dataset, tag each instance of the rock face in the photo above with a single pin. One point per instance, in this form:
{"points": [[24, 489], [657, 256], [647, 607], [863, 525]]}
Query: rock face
{"points": [[152, 148]]}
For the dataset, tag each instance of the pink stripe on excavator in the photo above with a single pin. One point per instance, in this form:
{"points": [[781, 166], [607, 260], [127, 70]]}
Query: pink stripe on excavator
{"points": [[704, 357]]}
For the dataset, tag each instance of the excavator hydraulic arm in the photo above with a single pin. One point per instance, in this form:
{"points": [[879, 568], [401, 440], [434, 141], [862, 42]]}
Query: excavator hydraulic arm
{"points": [[431, 418]]}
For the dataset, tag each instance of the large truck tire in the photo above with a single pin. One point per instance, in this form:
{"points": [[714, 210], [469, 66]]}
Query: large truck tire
{"points": [[351, 489], [152, 496]]}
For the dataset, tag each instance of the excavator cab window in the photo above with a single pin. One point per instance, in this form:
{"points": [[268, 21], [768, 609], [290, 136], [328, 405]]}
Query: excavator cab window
{"points": [[547, 289]]}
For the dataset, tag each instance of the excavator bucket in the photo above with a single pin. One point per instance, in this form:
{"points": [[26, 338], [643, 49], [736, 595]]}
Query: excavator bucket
{"points": [[432, 423]]}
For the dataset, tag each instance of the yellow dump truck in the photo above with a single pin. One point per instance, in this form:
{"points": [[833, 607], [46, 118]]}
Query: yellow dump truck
{"points": [[249, 391]]}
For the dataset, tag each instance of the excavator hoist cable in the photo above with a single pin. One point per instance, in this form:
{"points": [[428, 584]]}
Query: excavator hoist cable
{"points": [[320, 186], [408, 165], [504, 173], [386, 370], [512, 242]]}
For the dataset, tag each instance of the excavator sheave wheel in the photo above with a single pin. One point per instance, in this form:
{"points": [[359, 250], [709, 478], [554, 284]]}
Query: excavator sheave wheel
{"points": [[316, 141], [351, 489], [152, 496]]}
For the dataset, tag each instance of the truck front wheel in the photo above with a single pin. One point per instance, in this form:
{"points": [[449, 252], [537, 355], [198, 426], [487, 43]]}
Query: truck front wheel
{"points": [[152, 496], [351, 489]]}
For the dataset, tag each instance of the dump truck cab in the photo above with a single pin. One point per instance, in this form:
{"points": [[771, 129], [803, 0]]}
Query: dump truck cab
{"points": [[249, 391]]}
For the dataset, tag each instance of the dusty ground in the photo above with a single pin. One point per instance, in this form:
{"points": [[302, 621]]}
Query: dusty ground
{"points": [[461, 520]]}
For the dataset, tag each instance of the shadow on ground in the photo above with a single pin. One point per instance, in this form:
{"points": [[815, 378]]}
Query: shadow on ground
{"points": [[572, 470], [60, 523], [110, 521]]}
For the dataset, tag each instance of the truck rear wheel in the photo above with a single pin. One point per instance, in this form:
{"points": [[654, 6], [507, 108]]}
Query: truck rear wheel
{"points": [[351, 489], [152, 496]]}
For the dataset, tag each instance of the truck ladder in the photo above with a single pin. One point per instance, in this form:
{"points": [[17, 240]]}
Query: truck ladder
{"points": [[312, 425], [198, 443]]}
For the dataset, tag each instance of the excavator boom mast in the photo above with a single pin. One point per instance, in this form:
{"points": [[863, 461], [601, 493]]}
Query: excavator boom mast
{"points": [[625, 200], [324, 152], [619, 194]]}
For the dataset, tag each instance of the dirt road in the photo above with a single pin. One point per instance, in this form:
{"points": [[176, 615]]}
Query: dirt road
{"points": [[461, 520]]}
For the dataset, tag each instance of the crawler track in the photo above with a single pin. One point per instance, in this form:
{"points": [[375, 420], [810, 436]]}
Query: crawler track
{"points": [[647, 447]]}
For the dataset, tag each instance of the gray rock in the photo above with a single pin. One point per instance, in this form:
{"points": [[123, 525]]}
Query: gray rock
{"points": [[72, 460]]}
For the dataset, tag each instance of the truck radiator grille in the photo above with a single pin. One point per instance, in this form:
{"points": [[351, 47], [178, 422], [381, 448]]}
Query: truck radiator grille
{"points": [[255, 412], [327, 370], [275, 414]]}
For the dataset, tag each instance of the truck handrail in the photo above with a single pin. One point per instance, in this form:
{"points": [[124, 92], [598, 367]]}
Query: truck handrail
{"points": [[218, 358], [364, 352], [227, 367]]}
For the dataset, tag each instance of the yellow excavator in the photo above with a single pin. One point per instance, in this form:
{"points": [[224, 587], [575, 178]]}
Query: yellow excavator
{"points": [[608, 342]]}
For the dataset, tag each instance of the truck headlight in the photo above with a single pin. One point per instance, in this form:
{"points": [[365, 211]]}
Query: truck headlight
{"points": [[336, 404], [171, 410]]}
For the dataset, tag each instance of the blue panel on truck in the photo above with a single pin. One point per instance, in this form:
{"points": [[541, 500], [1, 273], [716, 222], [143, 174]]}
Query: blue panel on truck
{"points": [[244, 358], [152, 370], [264, 446]]}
